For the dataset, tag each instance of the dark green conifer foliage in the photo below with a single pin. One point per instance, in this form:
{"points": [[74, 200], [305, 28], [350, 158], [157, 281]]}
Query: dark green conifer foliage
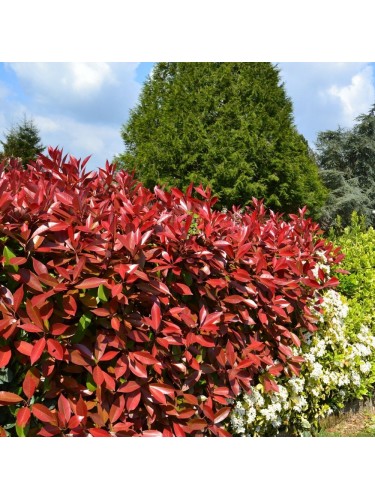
{"points": [[22, 141], [346, 158], [227, 125]]}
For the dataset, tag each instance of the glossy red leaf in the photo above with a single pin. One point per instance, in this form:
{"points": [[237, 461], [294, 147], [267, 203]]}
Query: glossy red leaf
{"points": [[197, 424], [39, 267], [138, 369], [23, 417], [9, 398], [30, 382], [117, 409], [18, 296], [34, 315], [91, 283], [221, 414], [31, 328], [109, 355], [145, 357], [182, 288], [24, 347], [59, 329], [130, 386], [55, 349], [155, 316], [30, 279], [37, 350], [65, 410], [132, 400], [69, 305], [81, 409], [152, 433], [5, 355], [99, 432]]}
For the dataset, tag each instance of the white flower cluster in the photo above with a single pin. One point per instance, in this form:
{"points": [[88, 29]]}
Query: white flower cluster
{"points": [[336, 367]]}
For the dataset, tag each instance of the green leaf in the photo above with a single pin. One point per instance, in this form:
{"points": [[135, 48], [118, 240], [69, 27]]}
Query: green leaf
{"points": [[103, 293], [8, 254], [83, 324], [90, 384], [21, 431]]}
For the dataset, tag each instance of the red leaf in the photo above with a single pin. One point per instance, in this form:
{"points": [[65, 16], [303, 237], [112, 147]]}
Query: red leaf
{"points": [[270, 385], [221, 414], [157, 395], [97, 375], [23, 417], [17, 261], [37, 350], [92, 283], [59, 329], [101, 311], [39, 268], [18, 296], [109, 355], [9, 398], [130, 386], [5, 355], [49, 280], [65, 410], [145, 357], [138, 369], [30, 279], [78, 268], [30, 327], [69, 305], [42, 413], [81, 409], [30, 382], [197, 424], [117, 409], [24, 347], [233, 299], [34, 314], [155, 316], [132, 401], [55, 349], [152, 433], [99, 432], [182, 289], [178, 430]]}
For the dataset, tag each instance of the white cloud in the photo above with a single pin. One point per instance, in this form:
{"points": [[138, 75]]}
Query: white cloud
{"points": [[355, 98], [95, 92], [77, 106], [327, 95]]}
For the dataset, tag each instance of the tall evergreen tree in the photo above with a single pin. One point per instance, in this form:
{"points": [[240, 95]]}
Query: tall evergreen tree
{"points": [[346, 158], [227, 125], [22, 141]]}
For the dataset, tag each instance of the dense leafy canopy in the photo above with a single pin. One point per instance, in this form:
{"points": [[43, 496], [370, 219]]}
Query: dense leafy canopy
{"points": [[227, 125], [22, 141], [346, 158]]}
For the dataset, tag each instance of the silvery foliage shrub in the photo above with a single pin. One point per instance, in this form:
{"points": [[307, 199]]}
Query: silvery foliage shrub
{"points": [[339, 366]]}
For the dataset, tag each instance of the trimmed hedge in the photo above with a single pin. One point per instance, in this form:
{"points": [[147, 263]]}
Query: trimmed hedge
{"points": [[131, 313]]}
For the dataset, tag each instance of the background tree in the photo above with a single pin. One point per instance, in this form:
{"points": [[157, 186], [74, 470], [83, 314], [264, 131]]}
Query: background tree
{"points": [[22, 141], [346, 158], [229, 125]]}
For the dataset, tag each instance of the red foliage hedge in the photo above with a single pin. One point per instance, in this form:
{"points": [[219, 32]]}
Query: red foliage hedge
{"points": [[131, 313]]}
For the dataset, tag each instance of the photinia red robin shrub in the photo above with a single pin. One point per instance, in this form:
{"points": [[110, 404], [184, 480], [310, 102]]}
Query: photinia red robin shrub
{"points": [[126, 312]]}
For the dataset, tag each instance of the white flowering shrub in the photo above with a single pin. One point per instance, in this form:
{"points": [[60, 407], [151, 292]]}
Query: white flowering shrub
{"points": [[339, 366]]}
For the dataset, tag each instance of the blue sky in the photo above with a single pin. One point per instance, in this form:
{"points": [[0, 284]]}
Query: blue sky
{"points": [[82, 106]]}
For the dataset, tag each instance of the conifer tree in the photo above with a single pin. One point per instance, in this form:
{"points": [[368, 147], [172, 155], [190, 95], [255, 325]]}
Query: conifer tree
{"points": [[346, 158], [227, 125], [22, 141]]}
